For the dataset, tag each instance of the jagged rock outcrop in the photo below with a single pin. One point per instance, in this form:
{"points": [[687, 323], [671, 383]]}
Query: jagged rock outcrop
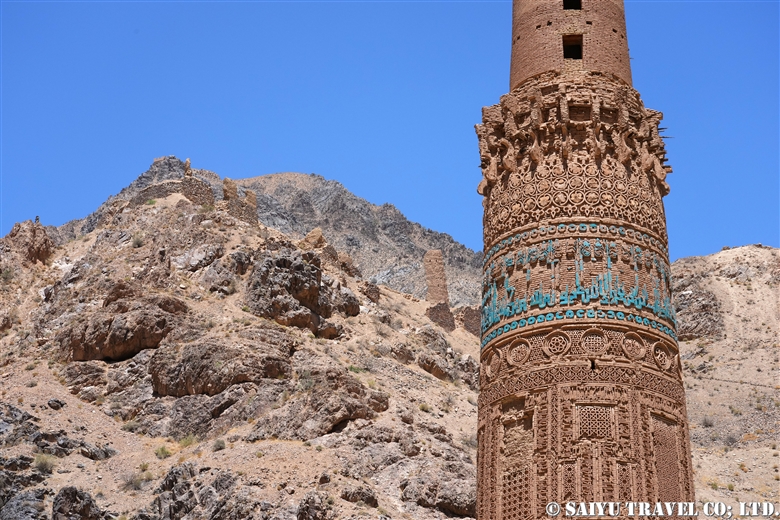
{"points": [[210, 366], [74, 504], [27, 505], [334, 398], [278, 423], [314, 506], [121, 329], [29, 240], [287, 286], [698, 310]]}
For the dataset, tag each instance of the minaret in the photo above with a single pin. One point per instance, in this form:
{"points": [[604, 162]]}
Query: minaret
{"points": [[581, 386]]}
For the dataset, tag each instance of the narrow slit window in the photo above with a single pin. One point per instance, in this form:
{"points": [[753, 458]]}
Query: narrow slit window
{"points": [[572, 4], [572, 47]]}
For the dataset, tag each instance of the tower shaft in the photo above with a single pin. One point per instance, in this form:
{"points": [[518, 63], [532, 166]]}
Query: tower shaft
{"points": [[581, 384]]}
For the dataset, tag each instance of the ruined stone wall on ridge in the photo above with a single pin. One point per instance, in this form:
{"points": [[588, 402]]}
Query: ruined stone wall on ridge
{"points": [[435, 277], [197, 191], [581, 393], [159, 190], [242, 208], [200, 192]]}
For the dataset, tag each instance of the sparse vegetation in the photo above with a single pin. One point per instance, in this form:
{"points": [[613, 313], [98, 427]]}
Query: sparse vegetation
{"points": [[189, 440], [735, 411], [7, 274], [44, 463], [218, 445], [151, 202], [425, 407], [135, 481], [131, 426], [138, 241], [305, 381], [357, 370], [162, 452], [707, 422], [469, 441]]}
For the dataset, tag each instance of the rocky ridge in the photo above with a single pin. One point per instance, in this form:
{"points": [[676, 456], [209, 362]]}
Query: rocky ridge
{"points": [[386, 247]]}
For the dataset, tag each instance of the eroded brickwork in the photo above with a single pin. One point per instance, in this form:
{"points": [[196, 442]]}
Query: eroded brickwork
{"points": [[581, 385], [539, 28], [200, 192], [242, 208], [435, 277], [439, 312]]}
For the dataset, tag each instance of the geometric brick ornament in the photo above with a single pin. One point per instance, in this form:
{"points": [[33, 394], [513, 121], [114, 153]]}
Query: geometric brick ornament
{"points": [[581, 393]]}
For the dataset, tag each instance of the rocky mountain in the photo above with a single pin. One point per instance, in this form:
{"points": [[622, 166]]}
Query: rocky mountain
{"points": [[168, 360], [385, 245]]}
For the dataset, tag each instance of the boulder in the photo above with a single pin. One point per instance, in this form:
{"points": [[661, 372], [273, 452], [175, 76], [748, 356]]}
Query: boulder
{"points": [[287, 286], [370, 291], [212, 365], [73, 504], [198, 257], [454, 497], [360, 494], [314, 506], [313, 240], [435, 365]]}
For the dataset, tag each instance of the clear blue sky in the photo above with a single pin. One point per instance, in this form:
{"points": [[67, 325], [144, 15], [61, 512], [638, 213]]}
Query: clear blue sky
{"points": [[381, 96]]}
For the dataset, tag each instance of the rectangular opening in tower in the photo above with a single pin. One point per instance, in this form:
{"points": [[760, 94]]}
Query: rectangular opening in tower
{"points": [[572, 4], [572, 47]]}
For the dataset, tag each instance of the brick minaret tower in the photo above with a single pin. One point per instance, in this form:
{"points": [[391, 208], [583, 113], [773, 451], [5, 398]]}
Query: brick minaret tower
{"points": [[581, 387]]}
